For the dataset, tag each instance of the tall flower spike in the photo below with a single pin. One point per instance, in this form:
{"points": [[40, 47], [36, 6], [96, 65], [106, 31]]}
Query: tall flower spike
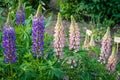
{"points": [[92, 42], [38, 33], [8, 42], [20, 14], [59, 38], [74, 36], [112, 61], [86, 43], [105, 47]]}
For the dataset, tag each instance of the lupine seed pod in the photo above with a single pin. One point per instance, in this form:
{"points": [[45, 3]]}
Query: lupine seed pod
{"points": [[86, 43], [92, 42], [74, 36], [8, 42], [112, 61], [38, 33], [20, 14], [105, 47], [59, 38]]}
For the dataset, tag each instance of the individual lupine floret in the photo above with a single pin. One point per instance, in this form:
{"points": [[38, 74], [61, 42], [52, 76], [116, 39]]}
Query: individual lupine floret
{"points": [[74, 36], [20, 14], [105, 47], [38, 34], [59, 38], [92, 42], [8, 42], [112, 61]]}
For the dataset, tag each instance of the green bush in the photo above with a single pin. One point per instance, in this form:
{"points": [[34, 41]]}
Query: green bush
{"points": [[91, 8]]}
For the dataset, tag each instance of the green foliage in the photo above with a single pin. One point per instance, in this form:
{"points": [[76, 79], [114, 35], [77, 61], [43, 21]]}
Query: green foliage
{"points": [[94, 8], [49, 67]]}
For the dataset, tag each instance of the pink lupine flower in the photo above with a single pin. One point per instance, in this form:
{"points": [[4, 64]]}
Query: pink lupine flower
{"points": [[74, 36], [112, 61], [59, 38], [105, 47]]}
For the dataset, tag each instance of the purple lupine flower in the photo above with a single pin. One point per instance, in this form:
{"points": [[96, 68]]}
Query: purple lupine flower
{"points": [[20, 15], [8, 43], [38, 34]]}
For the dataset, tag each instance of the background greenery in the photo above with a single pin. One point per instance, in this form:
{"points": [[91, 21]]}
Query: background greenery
{"points": [[98, 14]]}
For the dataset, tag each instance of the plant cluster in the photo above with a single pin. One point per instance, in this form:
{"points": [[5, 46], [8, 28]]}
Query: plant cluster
{"points": [[30, 53]]}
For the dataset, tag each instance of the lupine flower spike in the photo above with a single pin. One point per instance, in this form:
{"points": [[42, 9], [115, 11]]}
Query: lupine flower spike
{"points": [[74, 36], [59, 38], [38, 33], [86, 43], [20, 14], [8, 42], [105, 47], [112, 61], [92, 42]]}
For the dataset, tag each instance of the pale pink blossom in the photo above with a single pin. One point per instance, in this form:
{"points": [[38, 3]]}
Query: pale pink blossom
{"points": [[74, 36], [59, 38], [105, 47]]}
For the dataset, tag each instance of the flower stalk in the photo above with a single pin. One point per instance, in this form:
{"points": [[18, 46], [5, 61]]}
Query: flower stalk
{"points": [[59, 38], [8, 42], [38, 34], [74, 36], [20, 14], [105, 47]]}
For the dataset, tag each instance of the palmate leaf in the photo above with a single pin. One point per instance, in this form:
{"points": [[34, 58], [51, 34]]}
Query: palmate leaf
{"points": [[27, 72], [56, 72]]}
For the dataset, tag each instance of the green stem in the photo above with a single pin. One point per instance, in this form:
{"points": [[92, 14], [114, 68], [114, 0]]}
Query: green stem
{"points": [[37, 59], [11, 72]]}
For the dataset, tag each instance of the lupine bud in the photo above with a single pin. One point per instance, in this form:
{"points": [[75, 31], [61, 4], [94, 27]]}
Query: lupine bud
{"points": [[105, 47], [20, 14], [86, 43], [8, 42], [92, 42], [38, 33], [59, 38], [112, 61], [74, 36]]}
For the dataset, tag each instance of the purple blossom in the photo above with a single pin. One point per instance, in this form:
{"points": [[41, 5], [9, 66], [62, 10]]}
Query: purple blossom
{"points": [[38, 35], [8, 43], [20, 16]]}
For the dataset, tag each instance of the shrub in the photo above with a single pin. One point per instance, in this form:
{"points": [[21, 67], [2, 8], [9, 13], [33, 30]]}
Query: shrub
{"points": [[91, 8]]}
